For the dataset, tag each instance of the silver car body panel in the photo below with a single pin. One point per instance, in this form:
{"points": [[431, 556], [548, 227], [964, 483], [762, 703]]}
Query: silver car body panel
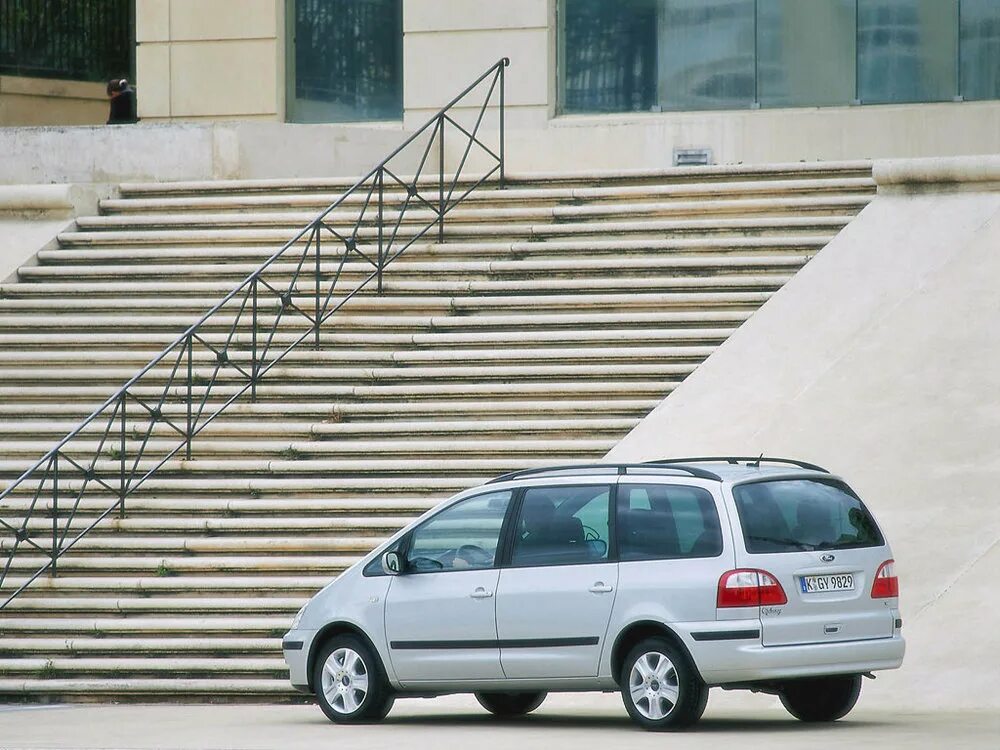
{"points": [[554, 607]]}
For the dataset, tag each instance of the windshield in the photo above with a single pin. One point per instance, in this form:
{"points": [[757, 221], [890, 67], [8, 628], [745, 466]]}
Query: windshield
{"points": [[792, 515]]}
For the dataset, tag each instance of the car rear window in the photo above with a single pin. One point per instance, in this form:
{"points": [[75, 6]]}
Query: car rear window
{"points": [[793, 515]]}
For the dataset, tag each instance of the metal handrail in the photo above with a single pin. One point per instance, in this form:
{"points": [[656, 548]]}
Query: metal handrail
{"points": [[112, 418]]}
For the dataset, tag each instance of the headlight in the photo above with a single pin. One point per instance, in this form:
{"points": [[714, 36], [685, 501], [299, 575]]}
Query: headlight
{"points": [[298, 617]]}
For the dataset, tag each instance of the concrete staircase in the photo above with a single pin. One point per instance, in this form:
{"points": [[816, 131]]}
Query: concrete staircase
{"points": [[555, 316]]}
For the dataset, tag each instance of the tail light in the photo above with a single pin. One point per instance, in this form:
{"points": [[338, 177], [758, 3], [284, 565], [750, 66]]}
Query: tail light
{"points": [[749, 587], [885, 585]]}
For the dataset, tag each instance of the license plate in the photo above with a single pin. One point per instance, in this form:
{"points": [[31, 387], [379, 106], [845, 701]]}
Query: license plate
{"points": [[840, 582]]}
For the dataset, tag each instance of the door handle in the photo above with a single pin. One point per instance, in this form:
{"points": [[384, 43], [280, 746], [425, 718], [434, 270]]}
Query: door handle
{"points": [[601, 588], [481, 593]]}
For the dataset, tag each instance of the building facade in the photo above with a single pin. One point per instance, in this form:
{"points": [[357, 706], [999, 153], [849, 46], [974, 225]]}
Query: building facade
{"points": [[628, 83]]}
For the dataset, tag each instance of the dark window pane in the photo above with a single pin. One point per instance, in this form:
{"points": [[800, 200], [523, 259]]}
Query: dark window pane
{"points": [[608, 52], [461, 537], [980, 49], [562, 525], [84, 40], [805, 52], [347, 62], [794, 515], [706, 56], [658, 521], [907, 50]]}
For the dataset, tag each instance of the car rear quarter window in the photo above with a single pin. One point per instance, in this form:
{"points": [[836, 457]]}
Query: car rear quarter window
{"points": [[795, 515], [661, 521]]}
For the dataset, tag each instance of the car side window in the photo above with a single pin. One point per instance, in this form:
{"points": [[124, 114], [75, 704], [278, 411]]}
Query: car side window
{"points": [[562, 525], [660, 521], [461, 537]]}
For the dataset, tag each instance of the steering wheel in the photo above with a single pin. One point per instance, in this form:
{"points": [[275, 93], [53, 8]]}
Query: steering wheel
{"points": [[425, 563], [474, 555], [590, 534]]}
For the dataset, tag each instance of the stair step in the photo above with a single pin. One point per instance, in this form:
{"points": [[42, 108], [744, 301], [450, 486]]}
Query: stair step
{"points": [[166, 689], [488, 250], [413, 270], [558, 313], [320, 200], [114, 647]]}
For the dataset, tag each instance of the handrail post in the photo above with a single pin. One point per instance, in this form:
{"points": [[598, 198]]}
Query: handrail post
{"points": [[121, 458], [190, 395], [503, 64], [381, 205], [441, 179], [55, 515], [253, 353], [316, 307]]}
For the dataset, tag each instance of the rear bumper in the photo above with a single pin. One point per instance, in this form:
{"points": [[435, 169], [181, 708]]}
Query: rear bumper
{"points": [[733, 661]]}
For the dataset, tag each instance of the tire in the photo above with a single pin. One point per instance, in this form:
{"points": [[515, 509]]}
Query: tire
{"points": [[510, 704], [660, 687], [350, 683], [821, 699]]}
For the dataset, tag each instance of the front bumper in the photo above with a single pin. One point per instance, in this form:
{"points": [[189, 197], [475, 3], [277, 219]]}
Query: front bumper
{"points": [[296, 646]]}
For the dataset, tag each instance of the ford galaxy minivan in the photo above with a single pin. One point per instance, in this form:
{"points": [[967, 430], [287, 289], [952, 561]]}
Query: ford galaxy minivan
{"points": [[659, 580]]}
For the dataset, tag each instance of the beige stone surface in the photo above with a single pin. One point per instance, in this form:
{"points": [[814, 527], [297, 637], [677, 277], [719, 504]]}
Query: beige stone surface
{"points": [[223, 79], [152, 20], [760, 136], [879, 360], [41, 101], [219, 60], [152, 64], [439, 65], [457, 15], [223, 19]]}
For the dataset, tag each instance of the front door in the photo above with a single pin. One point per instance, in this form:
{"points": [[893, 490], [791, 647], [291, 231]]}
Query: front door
{"points": [[440, 613], [555, 599]]}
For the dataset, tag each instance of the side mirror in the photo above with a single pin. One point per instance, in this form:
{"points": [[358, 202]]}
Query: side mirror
{"points": [[392, 564]]}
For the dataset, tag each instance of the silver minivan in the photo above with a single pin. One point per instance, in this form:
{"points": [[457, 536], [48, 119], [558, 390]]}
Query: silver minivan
{"points": [[658, 580]]}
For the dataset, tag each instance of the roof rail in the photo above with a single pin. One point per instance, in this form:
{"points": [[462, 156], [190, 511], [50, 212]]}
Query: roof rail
{"points": [[750, 461], [620, 469]]}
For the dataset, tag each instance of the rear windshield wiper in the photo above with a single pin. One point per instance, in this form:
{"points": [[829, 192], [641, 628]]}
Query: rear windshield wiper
{"points": [[785, 542]]}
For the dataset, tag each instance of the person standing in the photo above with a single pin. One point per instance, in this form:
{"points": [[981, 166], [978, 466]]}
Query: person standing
{"points": [[122, 97]]}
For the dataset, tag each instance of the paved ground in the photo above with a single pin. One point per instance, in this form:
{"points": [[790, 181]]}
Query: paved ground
{"points": [[564, 721]]}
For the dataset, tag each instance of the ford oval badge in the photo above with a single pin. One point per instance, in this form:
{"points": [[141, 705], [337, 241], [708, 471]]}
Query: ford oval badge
{"points": [[828, 558]]}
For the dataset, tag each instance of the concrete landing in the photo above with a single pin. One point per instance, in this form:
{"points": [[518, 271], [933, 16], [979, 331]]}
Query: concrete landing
{"points": [[563, 721]]}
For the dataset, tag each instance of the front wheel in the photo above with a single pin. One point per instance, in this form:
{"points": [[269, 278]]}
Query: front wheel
{"points": [[821, 699], [660, 688], [350, 684], [510, 704]]}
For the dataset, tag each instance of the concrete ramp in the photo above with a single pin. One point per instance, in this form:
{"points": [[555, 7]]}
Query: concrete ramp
{"points": [[881, 361]]}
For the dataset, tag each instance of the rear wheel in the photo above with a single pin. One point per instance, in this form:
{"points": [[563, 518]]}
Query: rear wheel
{"points": [[350, 684], [510, 704], [660, 688], [822, 698]]}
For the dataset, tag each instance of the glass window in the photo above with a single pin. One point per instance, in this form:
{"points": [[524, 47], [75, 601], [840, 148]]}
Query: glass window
{"points": [[562, 525], [608, 55], [792, 515], [660, 521], [805, 52], [907, 50], [980, 44], [706, 54], [641, 55], [345, 60], [461, 537]]}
